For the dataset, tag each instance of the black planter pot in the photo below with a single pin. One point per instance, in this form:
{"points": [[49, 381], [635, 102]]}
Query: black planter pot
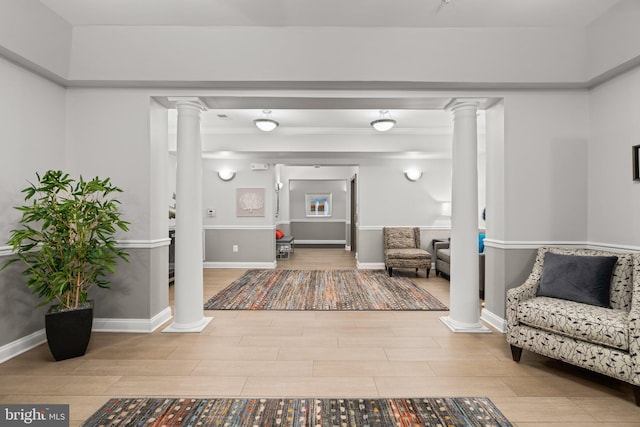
{"points": [[68, 332]]}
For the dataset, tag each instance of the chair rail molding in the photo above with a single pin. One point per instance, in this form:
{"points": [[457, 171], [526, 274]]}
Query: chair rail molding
{"points": [[523, 244]]}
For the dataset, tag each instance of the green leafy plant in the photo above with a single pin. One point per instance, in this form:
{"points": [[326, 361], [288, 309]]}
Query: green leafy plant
{"points": [[67, 237]]}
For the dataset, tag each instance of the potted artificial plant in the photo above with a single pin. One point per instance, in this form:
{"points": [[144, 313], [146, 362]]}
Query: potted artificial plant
{"points": [[67, 243]]}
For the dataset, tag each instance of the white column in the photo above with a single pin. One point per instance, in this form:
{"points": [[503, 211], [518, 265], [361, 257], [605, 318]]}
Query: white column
{"points": [[188, 285], [464, 311]]}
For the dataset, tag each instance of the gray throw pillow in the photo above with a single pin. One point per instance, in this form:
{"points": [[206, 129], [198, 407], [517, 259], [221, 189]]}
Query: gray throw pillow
{"points": [[585, 279]]}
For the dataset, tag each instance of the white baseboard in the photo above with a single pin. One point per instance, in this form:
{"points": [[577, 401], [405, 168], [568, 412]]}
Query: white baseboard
{"points": [[132, 325], [19, 346], [370, 265], [239, 264], [494, 320], [321, 242]]}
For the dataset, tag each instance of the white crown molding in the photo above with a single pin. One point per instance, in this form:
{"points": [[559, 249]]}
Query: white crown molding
{"points": [[132, 325], [365, 130]]}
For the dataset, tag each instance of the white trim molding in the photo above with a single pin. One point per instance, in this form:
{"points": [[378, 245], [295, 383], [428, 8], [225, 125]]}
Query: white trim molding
{"points": [[265, 265], [132, 325], [493, 320], [421, 227], [19, 346], [6, 250], [143, 244], [321, 242], [370, 265], [523, 244], [239, 227]]}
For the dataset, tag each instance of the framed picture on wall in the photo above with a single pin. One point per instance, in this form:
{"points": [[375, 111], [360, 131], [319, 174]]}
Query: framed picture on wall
{"points": [[635, 157], [250, 202], [317, 204]]}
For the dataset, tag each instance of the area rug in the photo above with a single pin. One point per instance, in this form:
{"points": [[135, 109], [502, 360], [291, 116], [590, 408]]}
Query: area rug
{"points": [[415, 412], [322, 290]]}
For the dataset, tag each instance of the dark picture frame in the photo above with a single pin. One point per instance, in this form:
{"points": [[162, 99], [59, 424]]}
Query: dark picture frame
{"points": [[635, 155]]}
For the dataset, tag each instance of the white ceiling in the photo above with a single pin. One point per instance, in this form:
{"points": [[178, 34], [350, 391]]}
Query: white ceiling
{"points": [[351, 13], [327, 117]]}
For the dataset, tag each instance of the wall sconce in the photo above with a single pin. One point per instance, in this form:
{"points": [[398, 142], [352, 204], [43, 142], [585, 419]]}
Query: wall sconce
{"points": [[413, 174], [226, 174], [445, 209]]}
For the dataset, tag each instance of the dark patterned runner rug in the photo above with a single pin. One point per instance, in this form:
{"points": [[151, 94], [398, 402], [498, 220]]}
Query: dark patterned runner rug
{"points": [[323, 290], [449, 411]]}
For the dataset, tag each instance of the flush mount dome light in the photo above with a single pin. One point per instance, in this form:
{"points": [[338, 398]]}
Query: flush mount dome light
{"points": [[266, 123], [384, 122]]}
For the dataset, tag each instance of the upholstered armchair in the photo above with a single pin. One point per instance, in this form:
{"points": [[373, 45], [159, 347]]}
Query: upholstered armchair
{"points": [[443, 264], [601, 334], [402, 249]]}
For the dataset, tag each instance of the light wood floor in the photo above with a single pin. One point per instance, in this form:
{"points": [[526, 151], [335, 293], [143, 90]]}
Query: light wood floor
{"points": [[320, 354]]}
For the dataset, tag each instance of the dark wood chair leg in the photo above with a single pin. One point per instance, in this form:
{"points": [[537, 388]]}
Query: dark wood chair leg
{"points": [[428, 270], [636, 393], [516, 353], [390, 269], [416, 272]]}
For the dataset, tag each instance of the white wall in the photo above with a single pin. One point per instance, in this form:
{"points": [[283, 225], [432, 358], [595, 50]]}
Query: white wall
{"points": [[32, 135], [33, 35], [207, 54], [546, 136], [108, 134], [387, 198], [614, 199], [32, 139], [613, 38]]}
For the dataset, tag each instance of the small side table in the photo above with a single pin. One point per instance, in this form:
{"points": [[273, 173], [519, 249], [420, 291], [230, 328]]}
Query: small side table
{"points": [[285, 247]]}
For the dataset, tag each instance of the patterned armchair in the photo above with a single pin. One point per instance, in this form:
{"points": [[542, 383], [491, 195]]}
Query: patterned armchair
{"points": [[604, 340], [402, 249]]}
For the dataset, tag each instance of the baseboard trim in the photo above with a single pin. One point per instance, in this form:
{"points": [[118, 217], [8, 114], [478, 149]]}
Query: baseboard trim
{"points": [[132, 325], [239, 264], [493, 320], [370, 265], [19, 346], [321, 242]]}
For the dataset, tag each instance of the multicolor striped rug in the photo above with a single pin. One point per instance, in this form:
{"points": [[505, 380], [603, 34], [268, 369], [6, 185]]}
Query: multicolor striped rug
{"points": [[322, 290], [449, 411]]}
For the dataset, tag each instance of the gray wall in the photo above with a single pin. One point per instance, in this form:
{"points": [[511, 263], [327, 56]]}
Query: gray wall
{"points": [[254, 245], [318, 230]]}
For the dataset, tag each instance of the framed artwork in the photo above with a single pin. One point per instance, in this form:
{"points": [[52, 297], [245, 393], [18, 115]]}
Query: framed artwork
{"points": [[635, 156], [250, 202], [317, 204]]}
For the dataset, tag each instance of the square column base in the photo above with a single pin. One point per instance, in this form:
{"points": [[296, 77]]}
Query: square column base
{"points": [[468, 328]]}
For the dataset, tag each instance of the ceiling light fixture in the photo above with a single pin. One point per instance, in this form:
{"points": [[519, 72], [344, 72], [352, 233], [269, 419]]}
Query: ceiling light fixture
{"points": [[384, 122], [266, 123]]}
